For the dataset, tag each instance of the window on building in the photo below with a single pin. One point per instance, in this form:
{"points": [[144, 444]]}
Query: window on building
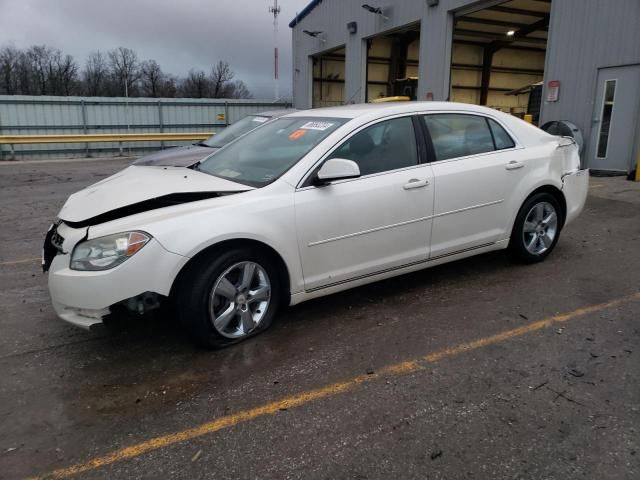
{"points": [[605, 119]]}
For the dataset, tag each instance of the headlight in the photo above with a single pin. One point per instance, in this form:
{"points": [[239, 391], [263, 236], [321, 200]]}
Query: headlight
{"points": [[107, 252]]}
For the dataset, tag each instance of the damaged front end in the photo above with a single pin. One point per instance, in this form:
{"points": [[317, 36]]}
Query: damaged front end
{"points": [[89, 319], [94, 278], [164, 201], [84, 296], [52, 246], [99, 269]]}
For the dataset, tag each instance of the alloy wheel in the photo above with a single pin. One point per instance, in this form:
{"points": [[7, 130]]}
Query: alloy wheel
{"points": [[540, 228], [240, 299]]}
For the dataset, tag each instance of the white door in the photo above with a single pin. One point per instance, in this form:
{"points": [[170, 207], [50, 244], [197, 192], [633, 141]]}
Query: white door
{"points": [[615, 119], [380, 221], [474, 169]]}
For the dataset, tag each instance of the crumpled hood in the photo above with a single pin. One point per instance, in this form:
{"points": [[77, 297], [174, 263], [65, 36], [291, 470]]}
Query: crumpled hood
{"points": [[176, 157], [136, 189]]}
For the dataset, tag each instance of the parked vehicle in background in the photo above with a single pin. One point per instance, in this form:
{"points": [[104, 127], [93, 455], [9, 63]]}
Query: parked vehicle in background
{"points": [[189, 155], [311, 203]]}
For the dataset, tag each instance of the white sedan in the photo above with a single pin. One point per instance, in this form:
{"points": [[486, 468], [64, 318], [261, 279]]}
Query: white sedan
{"points": [[312, 203]]}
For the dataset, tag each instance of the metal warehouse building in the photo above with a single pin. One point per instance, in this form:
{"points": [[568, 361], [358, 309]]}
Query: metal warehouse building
{"points": [[574, 60]]}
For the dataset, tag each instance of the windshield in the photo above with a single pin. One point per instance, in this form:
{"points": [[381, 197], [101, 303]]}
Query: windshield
{"points": [[264, 154], [235, 130]]}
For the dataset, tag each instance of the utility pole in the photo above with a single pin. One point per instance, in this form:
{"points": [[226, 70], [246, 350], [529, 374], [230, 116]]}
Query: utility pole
{"points": [[275, 10]]}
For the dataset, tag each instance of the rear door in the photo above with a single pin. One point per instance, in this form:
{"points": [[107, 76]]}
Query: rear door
{"points": [[474, 170]]}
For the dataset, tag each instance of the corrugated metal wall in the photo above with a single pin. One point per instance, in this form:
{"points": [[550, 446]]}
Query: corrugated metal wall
{"points": [[584, 36], [24, 115]]}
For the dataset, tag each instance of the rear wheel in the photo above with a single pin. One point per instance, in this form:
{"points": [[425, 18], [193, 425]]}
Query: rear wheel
{"points": [[228, 297], [536, 229]]}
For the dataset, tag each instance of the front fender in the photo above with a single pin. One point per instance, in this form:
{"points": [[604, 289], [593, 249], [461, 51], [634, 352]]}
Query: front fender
{"points": [[268, 219]]}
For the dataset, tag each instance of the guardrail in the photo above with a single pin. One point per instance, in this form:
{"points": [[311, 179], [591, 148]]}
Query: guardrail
{"points": [[119, 138]]}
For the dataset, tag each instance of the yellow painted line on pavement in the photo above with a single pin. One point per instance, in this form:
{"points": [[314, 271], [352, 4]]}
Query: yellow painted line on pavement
{"points": [[24, 260], [299, 399]]}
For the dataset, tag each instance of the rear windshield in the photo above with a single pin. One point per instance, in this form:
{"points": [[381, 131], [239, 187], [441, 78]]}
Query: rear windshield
{"points": [[264, 154]]}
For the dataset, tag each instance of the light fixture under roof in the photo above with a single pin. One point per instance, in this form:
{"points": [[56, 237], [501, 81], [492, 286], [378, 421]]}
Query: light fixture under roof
{"points": [[511, 33], [375, 10], [315, 34]]}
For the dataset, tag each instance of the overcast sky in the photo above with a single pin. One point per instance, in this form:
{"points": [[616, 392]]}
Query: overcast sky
{"points": [[179, 34]]}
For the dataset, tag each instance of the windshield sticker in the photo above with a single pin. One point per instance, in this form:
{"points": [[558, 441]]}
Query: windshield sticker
{"points": [[297, 134], [230, 173], [259, 119], [317, 126]]}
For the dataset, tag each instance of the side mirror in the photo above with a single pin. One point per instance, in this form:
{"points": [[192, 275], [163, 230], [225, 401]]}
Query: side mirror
{"points": [[336, 169]]}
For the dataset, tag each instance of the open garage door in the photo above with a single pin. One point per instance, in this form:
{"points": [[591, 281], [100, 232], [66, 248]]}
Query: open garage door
{"points": [[392, 63], [328, 78], [498, 56]]}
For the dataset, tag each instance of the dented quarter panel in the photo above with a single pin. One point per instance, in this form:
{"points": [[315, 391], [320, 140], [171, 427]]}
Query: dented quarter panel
{"points": [[575, 189], [541, 169]]}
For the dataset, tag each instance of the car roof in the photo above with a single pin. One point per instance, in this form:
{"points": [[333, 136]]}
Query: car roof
{"points": [[525, 133], [390, 108], [275, 113]]}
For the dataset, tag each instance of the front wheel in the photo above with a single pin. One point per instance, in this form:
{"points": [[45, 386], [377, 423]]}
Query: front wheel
{"points": [[536, 229], [228, 297]]}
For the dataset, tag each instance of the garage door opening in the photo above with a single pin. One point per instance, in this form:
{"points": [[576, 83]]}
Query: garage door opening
{"points": [[392, 63], [328, 78], [498, 56]]}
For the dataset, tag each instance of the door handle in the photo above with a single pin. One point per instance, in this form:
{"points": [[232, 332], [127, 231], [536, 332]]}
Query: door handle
{"points": [[513, 165], [415, 183]]}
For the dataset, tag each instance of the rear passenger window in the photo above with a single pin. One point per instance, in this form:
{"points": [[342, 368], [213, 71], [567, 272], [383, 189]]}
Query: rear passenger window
{"points": [[458, 135], [500, 136]]}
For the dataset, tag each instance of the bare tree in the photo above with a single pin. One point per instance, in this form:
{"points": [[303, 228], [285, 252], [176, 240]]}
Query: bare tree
{"points": [[42, 70], [152, 78], [237, 89], [26, 83], [95, 75], [39, 58], [195, 85], [124, 71], [221, 75], [9, 63], [66, 75], [169, 86]]}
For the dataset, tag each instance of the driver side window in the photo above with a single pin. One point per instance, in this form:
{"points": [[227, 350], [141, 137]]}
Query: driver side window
{"points": [[385, 146]]}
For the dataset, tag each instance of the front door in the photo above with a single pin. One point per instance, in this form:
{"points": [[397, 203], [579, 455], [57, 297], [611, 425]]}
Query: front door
{"points": [[380, 221], [615, 119]]}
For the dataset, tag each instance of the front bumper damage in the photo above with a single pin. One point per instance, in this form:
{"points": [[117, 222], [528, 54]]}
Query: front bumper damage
{"points": [[85, 298]]}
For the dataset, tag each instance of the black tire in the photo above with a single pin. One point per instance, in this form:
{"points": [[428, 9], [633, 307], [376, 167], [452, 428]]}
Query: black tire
{"points": [[191, 301], [517, 249]]}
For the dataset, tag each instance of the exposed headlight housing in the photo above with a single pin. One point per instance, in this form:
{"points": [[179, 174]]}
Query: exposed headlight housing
{"points": [[107, 252]]}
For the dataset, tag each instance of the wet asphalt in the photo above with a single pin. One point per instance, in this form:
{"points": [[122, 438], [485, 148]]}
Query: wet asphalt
{"points": [[557, 403]]}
